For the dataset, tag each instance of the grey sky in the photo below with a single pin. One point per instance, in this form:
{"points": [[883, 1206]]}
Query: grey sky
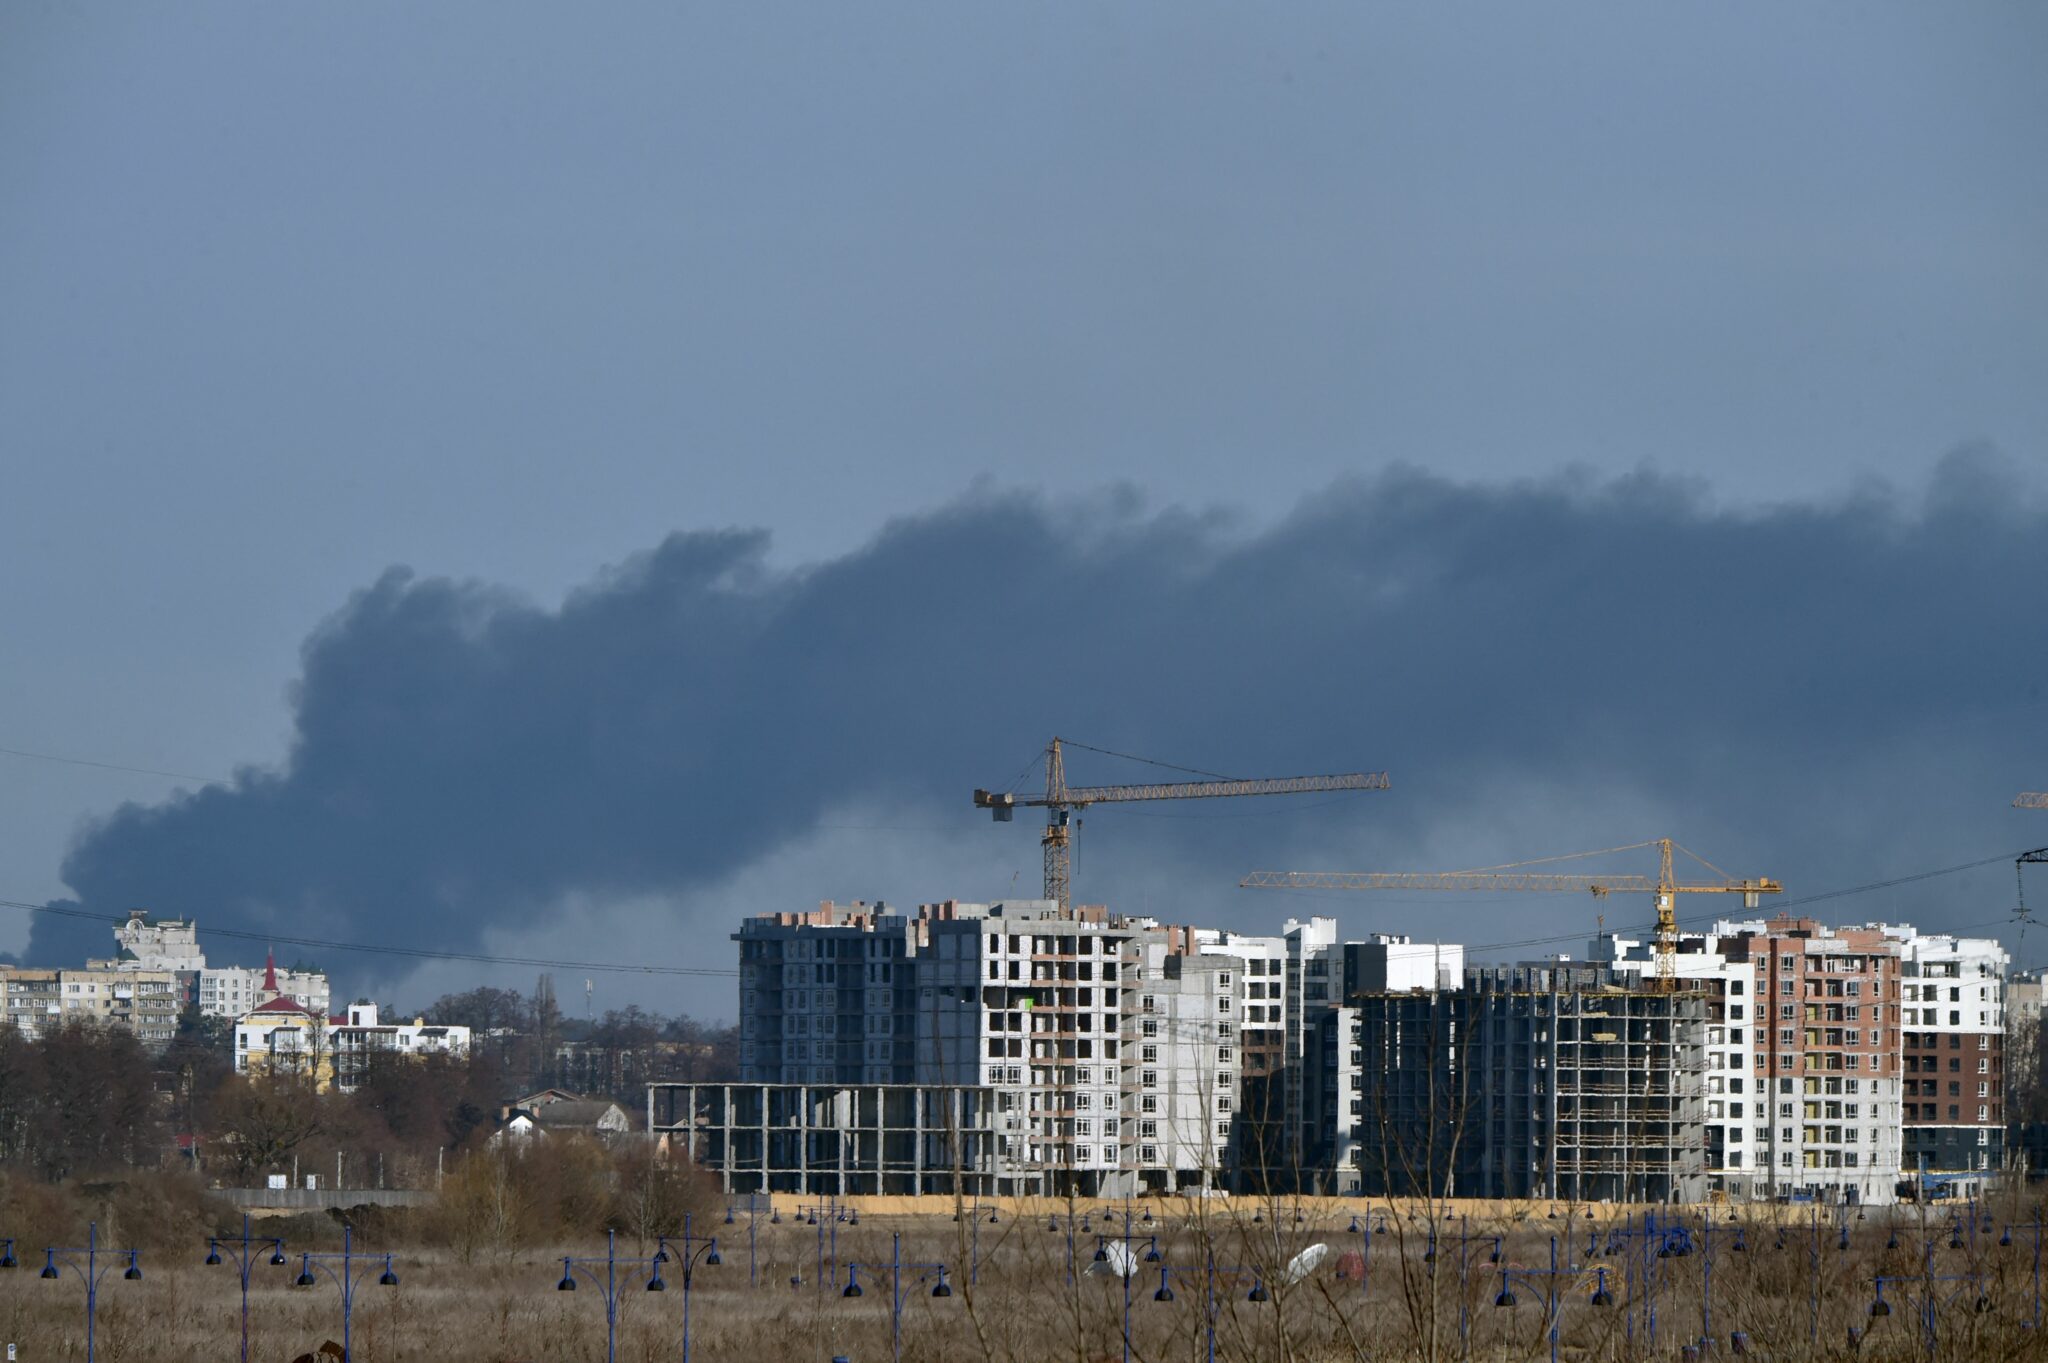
{"points": [[290, 295]]}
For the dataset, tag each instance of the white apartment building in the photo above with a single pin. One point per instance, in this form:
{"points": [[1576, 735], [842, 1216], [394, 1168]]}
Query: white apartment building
{"points": [[1016, 998], [230, 991], [160, 944], [1314, 986], [1952, 1019], [1181, 1047]]}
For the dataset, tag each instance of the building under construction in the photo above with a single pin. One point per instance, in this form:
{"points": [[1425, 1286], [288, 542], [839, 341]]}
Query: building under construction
{"points": [[832, 1140], [1549, 1081]]}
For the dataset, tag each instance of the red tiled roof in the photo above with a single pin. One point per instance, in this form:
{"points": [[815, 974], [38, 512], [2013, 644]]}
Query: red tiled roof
{"points": [[280, 1005]]}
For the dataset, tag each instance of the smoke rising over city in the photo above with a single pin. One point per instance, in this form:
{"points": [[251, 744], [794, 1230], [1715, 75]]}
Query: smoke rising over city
{"points": [[1830, 692]]}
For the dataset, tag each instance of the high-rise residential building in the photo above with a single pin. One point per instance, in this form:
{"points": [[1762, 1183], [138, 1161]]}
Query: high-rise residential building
{"points": [[1736, 1160], [1551, 1079], [1828, 1056], [160, 943], [1033, 1004], [1952, 1033], [1314, 982], [1258, 1149]]}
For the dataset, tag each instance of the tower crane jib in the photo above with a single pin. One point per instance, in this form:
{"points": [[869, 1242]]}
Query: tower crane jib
{"points": [[1061, 801]]}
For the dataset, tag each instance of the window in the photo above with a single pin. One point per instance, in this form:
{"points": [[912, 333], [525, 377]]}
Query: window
{"points": [[1148, 1130]]}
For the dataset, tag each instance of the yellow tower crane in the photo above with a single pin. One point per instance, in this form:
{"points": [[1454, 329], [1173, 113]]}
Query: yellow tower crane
{"points": [[1062, 800], [2031, 799], [1665, 886]]}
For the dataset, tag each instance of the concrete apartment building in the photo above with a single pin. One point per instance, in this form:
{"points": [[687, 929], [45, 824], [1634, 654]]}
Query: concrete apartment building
{"points": [[1031, 1051], [1044, 1011], [1952, 1043], [172, 944], [1736, 1162], [1258, 1152], [1549, 1080], [145, 1002], [1827, 1053]]}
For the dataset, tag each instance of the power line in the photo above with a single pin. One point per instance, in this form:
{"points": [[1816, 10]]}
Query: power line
{"points": [[112, 766], [483, 958], [415, 953]]}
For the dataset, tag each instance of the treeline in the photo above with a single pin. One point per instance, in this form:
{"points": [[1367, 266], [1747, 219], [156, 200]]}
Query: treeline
{"points": [[615, 1055]]}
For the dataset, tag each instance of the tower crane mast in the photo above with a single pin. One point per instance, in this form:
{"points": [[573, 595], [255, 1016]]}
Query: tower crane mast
{"points": [[1061, 801]]}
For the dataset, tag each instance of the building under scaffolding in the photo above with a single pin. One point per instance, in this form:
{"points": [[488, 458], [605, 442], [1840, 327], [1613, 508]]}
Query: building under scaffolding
{"points": [[841, 1140], [1548, 1081]]}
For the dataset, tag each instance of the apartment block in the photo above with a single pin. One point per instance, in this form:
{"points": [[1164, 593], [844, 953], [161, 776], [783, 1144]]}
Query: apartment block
{"points": [[1828, 1056], [1736, 1162], [1558, 1080], [1952, 1033], [1258, 1151], [1031, 1003]]}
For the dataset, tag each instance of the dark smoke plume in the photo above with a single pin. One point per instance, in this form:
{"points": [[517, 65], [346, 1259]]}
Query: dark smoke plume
{"points": [[1823, 692]]}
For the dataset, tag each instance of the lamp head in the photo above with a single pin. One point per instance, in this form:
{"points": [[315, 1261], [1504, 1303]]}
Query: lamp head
{"points": [[387, 1278], [1880, 1307], [655, 1284], [1506, 1298], [1164, 1293], [1152, 1255], [49, 1268], [852, 1289], [942, 1290], [661, 1254], [1102, 1254], [305, 1278], [1258, 1292], [134, 1273], [212, 1254], [712, 1258], [277, 1254], [568, 1283]]}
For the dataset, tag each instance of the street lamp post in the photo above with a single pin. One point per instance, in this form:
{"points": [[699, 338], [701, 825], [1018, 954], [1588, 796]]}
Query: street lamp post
{"points": [[1931, 1303], [691, 1248], [1210, 1302], [1127, 1267], [753, 1218], [89, 1272], [347, 1277], [1552, 1305], [898, 1293], [243, 1252]]}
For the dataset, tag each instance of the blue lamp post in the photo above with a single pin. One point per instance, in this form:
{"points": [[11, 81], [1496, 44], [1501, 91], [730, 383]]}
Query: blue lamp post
{"points": [[1128, 1268], [1365, 1228], [1210, 1302], [753, 1221], [86, 1264], [1552, 1305], [348, 1277], [244, 1252], [1931, 1300], [690, 1249], [610, 1288], [898, 1292], [7, 1259]]}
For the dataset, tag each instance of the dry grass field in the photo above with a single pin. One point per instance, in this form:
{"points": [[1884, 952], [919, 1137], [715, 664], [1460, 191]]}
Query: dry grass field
{"points": [[1791, 1292]]}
